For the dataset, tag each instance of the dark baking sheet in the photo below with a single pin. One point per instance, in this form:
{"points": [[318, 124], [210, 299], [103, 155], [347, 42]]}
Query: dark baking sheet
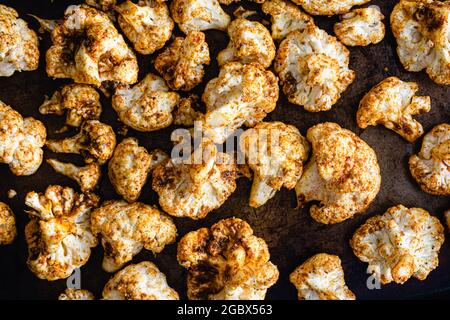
{"points": [[291, 234]]}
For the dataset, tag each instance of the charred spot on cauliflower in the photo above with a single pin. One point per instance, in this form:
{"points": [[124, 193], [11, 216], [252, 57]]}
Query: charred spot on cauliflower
{"points": [[8, 231], [329, 7], [76, 294]]}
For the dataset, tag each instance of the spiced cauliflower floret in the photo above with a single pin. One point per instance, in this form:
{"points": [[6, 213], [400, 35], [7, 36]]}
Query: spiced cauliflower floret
{"points": [[321, 277], [329, 7], [431, 167], [8, 231], [392, 103], [87, 176], [249, 42], [76, 294], [142, 281], [21, 141], [147, 106], [342, 173], [59, 234], [88, 49], [104, 5], [181, 64], [276, 153], [361, 27], [186, 112], [421, 28], [313, 68], [400, 244]]}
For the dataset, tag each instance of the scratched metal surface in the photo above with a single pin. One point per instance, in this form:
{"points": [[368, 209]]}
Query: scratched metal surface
{"points": [[291, 234]]}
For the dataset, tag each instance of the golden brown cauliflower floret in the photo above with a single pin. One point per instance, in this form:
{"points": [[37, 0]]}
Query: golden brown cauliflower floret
{"points": [[76, 294], [342, 173], [87, 176], [241, 94], [361, 27], [185, 113], [313, 67], [127, 228], [392, 103], [181, 64], [104, 5], [19, 45], [146, 23], [321, 277], [142, 281], [399, 244], [147, 106], [21, 141], [88, 49], [226, 262], [8, 229], [249, 42], [59, 234], [275, 152], [431, 167], [329, 7], [81, 101], [421, 28], [199, 15]]}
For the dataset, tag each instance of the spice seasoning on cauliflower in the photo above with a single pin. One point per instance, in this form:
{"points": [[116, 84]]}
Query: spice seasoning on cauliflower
{"points": [[185, 113], [76, 294], [87, 176], [104, 5], [392, 103], [342, 173], [329, 7], [399, 244], [8, 231], [431, 167]]}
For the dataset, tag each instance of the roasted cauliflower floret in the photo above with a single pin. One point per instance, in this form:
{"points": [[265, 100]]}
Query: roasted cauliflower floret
{"points": [[276, 153], [249, 42], [147, 106], [321, 277], [88, 49], [181, 64], [59, 234], [285, 17], [329, 7], [21, 141], [342, 173], [313, 68], [76, 294], [241, 94], [431, 167], [421, 28], [142, 281], [81, 101], [392, 103], [19, 45], [186, 113], [361, 27], [87, 176], [95, 142], [8, 231], [226, 262], [399, 244], [104, 5], [199, 15]]}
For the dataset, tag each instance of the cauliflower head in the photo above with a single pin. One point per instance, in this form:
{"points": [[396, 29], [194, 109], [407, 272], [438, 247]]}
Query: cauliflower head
{"points": [[76, 294], [59, 234], [8, 231], [226, 262], [399, 244], [329, 7], [87, 176], [431, 167], [342, 173]]}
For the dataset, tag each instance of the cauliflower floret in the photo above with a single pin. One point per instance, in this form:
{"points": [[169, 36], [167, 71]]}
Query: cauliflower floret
{"points": [[185, 114], [241, 94], [81, 101], [431, 167], [421, 28], [399, 244], [146, 23], [226, 262], [181, 64], [313, 67], [321, 277], [195, 186], [59, 234], [342, 173], [146, 106], [361, 27], [329, 7], [199, 15], [87, 176], [95, 141], [104, 5], [142, 281], [285, 17], [88, 49], [276, 153], [249, 42], [8, 229], [19, 45], [21, 141], [392, 103], [126, 228], [76, 294]]}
